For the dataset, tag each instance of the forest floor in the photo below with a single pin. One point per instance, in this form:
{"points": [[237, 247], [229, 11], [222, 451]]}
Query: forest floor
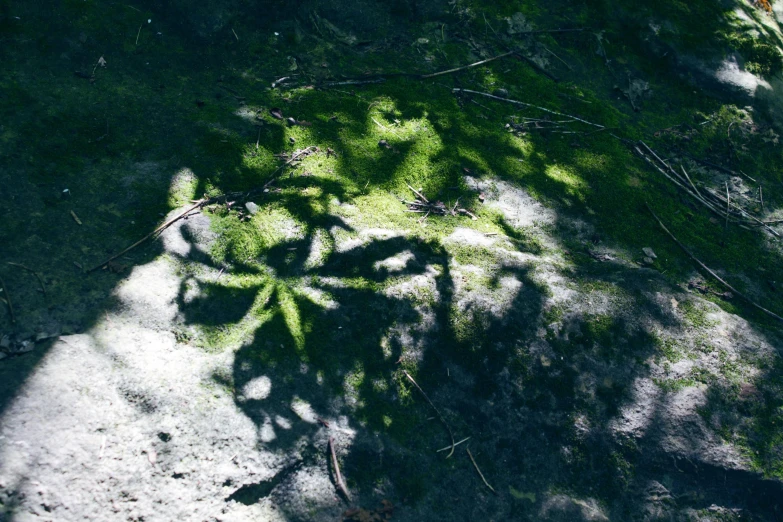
{"points": [[387, 253]]}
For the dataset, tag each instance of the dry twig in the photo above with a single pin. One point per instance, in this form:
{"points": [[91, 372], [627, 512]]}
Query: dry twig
{"points": [[713, 274], [443, 420], [449, 71], [479, 472], [338, 478], [523, 104]]}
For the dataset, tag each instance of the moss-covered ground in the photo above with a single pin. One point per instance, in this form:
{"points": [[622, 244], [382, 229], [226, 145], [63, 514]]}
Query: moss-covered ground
{"points": [[172, 117]]}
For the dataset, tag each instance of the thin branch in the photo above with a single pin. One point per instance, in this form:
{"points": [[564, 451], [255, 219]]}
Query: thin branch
{"points": [[449, 71], [713, 274], [418, 194], [338, 478], [479, 472], [523, 104], [40, 281], [457, 443], [202, 203], [541, 31], [451, 434], [161, 228]]}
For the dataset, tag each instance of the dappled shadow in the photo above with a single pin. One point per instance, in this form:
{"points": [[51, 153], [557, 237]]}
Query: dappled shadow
{"points": [[325, 311]]}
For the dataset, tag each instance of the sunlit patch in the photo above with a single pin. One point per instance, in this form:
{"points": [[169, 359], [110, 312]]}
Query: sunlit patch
{"points": [[574, 185], [248, 113], [590, 160], [266, 432], [396, 263], [257, 389], [182, 188], [320, 246], [291, 316], [192, 291], [390, 124], [303, 410], [283, 422], [318, 297]]}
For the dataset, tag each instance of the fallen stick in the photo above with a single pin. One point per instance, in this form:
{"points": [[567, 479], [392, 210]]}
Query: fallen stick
{"points": [[523, 104], [541, 31], [353, 82], [338, 478], [456, 444], [161, 228], [479, 472], [713, 274], [40, 281], [451, 434], [7, 300], [418, 194], [199, 204], [449, 71]]}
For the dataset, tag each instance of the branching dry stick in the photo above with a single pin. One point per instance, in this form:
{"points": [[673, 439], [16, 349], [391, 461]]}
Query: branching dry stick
{"points": [[713, 274], [479, 472], [11, 308], [443, 420], [338, 478], [40, 281], [523, 104]]}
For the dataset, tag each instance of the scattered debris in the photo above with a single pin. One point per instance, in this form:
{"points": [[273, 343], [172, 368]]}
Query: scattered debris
{"points": [[424, 206], [713, 274], [720, 205], [700, 285]]}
